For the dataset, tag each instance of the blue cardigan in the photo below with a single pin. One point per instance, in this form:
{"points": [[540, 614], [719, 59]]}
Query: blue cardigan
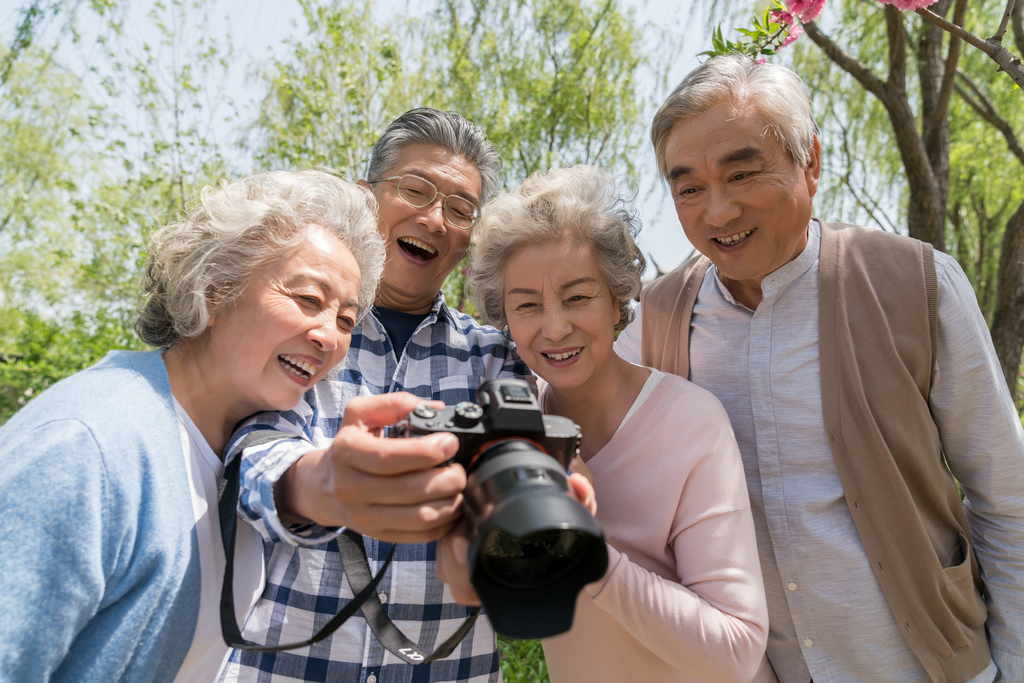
{"points": [[99, 562]]}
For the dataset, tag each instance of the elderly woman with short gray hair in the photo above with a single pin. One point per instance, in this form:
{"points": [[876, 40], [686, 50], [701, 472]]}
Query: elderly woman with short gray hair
{"points": [[111, 555], [682, 599]]}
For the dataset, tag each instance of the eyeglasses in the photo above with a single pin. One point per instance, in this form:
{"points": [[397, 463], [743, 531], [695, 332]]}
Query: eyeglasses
{"points": [[420, 193]]}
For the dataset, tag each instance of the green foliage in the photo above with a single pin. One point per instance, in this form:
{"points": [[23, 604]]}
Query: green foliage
{"points": [[553, 82], [327, 103], [763, 39], [82, 188], [35, 352], [44, 122], [522, 661]]}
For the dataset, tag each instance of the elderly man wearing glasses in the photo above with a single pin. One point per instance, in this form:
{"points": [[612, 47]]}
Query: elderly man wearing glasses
{"points": [[430, 172]]}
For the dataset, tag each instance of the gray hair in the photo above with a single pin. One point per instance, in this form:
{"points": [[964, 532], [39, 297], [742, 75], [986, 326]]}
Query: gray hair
{"points": [[207, 260], [777, 94], [580, 203], [445, 129]]}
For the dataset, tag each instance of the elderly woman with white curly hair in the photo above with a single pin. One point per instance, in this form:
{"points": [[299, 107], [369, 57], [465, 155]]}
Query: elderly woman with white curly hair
{"points": [[111, 554], [682, 599]]}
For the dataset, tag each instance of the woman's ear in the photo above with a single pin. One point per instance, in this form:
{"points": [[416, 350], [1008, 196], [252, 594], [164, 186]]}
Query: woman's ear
{"points": [[213, 301]]}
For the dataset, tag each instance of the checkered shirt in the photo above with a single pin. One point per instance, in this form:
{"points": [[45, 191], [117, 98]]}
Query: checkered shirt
{"points": [[446, 359]]}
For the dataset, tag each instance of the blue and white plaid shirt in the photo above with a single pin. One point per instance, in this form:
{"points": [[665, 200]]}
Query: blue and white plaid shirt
{"points": [[446, 359]]}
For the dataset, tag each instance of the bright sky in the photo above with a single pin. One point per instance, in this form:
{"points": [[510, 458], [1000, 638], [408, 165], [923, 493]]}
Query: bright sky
{"points": [[258, 28]]}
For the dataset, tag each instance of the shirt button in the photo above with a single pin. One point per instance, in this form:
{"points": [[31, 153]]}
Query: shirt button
{"points": [[808, 642], [383, 599], [791, 586], [371, 679]]}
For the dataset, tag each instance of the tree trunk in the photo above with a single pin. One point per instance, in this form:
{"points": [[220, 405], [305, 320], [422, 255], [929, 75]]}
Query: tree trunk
{"points": [[927, 166], [931, 70], [1008, 320], [926, 210]]}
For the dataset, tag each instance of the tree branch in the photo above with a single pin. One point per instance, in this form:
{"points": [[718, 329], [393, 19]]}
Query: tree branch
{"points": [[847, 178], [1017, 16], [998, 37], [1000, 55], [933, 18], [897, 33], [986, 109], [864, 75], [948, 79]]}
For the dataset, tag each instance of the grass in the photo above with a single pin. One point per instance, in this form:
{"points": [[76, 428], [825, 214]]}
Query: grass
{"points": [[522, 661]]}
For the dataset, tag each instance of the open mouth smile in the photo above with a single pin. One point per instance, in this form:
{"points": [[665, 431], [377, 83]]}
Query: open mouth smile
{"points": [[566, 355], [418, 250], [734, 239], [300, 369]]}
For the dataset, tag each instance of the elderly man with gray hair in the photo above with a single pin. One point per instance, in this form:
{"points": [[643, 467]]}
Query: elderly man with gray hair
{"points": [[430, 172], [860, 379]]}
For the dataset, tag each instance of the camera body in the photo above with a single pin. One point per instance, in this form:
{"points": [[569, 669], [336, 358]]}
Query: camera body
{"points": [[532, 545], [506, 409]]}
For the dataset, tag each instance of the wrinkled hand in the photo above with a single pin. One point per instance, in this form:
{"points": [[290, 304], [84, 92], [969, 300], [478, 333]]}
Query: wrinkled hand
{"points": [[390, 489], [453, 548]]}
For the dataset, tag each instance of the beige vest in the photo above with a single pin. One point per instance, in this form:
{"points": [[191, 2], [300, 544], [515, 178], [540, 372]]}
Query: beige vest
{"points": [[878, 330]]}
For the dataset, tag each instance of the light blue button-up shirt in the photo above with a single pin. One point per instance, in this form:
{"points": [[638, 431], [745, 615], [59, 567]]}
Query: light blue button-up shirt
{"points": [[829, 618]]}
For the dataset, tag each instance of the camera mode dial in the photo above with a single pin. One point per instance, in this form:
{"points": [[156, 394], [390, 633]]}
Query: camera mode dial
{"points": [[424, 411], [467, 414]]}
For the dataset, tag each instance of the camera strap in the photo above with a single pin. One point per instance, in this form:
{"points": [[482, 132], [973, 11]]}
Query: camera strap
{"points": [[227, 512], [357, 572]]}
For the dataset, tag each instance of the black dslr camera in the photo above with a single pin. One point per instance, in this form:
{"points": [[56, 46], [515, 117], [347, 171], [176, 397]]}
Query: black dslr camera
{"points": [[532, 547]]}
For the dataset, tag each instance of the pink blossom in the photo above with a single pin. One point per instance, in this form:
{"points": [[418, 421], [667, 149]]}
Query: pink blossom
{"points": [[761, 60], [783, 17], [808, 10], [794, 33], [814, 9], [798, 7]]}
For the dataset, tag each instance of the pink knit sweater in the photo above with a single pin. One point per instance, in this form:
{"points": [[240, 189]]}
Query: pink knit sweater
{"points": [[683, 598]]}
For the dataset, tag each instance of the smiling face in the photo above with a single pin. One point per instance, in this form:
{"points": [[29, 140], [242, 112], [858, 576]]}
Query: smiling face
{"points": [[291, 325], [422, 250], [742, 201], [560, 312]]}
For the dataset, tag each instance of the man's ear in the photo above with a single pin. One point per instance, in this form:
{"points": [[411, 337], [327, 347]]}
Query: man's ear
{"points": [[812, 172], [362, 183]]}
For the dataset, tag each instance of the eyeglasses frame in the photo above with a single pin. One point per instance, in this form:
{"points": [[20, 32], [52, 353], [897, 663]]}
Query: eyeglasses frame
{"points": [[433, 200]]}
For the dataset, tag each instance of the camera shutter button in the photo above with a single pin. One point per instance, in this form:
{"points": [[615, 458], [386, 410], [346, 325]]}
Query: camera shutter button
{"points": [[467, 414]]}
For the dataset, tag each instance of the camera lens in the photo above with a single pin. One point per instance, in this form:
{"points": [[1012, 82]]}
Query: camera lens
{"points": [[535, 545], [535, 559]]}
